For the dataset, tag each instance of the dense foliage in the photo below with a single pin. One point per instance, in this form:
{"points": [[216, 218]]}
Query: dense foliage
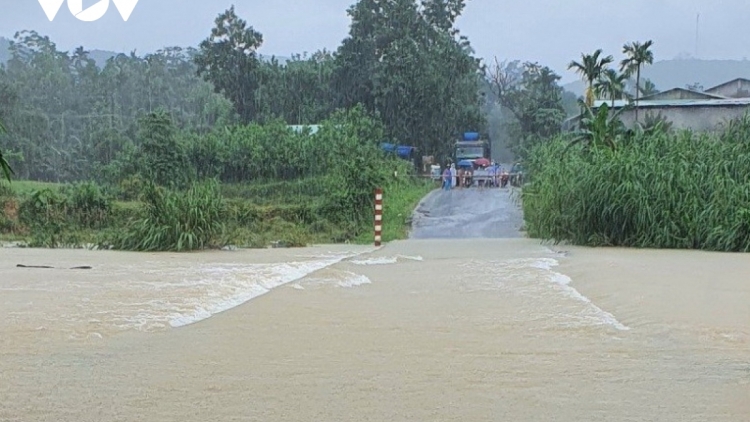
{"points": [[152, 129], [531, 95], [649, 188], [306, 187], [69, 118]]}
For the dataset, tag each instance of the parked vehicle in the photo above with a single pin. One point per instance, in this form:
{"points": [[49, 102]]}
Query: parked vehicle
{"points": [[471, 148]]}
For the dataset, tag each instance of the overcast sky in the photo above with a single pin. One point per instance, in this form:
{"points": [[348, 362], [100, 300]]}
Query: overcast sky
{"points": [[551, 32]]}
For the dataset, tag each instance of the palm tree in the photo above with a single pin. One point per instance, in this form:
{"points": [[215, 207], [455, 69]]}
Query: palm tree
{"points": [[648, 88], [4, 166], [611, 85], [591, 68], [637, 55]]}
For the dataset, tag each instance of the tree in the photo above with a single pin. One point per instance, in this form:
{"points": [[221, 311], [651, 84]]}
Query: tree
{"points": [[600, 128], [648, 88], [228, 59], [697, 86], [406, 63], [530, 92], [4, 166], [160, 156], [611, 85], [637, 55], [70, 120], [590, 68]]}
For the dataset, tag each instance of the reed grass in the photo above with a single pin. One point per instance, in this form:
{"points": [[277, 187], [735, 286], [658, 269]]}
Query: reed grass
{"points": [[656, 189], [177, 220]]}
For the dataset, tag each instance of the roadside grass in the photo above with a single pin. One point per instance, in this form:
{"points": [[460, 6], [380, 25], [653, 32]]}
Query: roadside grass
{"points": [[258, 215], [399, 202]]}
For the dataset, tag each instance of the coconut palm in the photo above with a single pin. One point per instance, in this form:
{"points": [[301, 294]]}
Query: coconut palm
{"points": [[4, 166], [637, 55], [590, 68], [611, 85], [648, 88]]}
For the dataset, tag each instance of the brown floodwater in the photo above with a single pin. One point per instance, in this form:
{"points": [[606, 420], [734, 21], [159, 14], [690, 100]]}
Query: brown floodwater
{"points": [[475, 330]]}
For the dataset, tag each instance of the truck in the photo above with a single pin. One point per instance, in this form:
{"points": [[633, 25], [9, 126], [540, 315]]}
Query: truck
{"points": [[474, 153], [471, 148]]}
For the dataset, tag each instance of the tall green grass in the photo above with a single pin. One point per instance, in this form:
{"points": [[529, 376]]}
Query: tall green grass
{"points": [[177, 220], [656, 189]]}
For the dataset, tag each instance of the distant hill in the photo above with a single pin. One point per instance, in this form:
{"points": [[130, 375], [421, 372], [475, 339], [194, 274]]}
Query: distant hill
{"points": [[665, 74], [101, 56], [678, 73]]}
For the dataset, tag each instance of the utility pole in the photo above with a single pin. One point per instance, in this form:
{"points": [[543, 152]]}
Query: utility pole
{"points": [[697, 32]]}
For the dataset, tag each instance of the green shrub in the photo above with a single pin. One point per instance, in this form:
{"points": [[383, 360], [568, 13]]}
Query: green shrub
{"points": [[657, 189], [176, 220], [87, 205], [45, 214], [130, 188]]}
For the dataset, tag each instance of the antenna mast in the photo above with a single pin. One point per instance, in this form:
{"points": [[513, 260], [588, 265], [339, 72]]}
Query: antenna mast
{"points": [[697, 32]]}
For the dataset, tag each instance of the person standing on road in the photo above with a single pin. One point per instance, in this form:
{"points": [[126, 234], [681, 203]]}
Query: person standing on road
{"points": [[447, 179], [454, 176], [493, 175]]}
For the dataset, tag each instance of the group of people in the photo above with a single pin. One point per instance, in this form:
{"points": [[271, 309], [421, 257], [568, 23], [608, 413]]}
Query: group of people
{"points": [[494, 175]]}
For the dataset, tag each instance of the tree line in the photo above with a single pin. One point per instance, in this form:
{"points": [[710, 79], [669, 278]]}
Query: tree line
{"points": [[404, 62]]}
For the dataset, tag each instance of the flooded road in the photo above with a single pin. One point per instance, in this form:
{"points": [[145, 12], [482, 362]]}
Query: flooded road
{"points": [[469, 213], [420, 330], [466, 321]]}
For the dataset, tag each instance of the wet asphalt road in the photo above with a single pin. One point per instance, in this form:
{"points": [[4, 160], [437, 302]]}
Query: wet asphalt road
{"points": [[468, 213]]}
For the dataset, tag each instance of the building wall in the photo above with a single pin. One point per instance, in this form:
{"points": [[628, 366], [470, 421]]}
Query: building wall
{"points": [[698, 118], [737, 89]]}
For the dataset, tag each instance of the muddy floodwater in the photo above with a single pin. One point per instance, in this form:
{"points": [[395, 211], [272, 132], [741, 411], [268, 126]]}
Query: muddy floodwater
{"points": [[438, 330]]}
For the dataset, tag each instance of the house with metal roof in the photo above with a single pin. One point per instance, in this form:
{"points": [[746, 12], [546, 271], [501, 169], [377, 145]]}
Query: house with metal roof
{"points": [[736, 88], [681, 94], [684, 108]]}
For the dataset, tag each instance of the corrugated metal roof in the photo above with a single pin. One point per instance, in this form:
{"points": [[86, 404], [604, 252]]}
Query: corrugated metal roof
{"points": [[728, 102], [704, 95], [728, 83]]}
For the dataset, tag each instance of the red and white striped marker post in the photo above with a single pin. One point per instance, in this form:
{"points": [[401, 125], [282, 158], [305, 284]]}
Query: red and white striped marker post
{"points": [[378, 216]]}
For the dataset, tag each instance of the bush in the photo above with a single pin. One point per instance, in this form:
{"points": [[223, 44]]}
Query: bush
{"points": [[87, 205], [130, 188], [176, 220], [45, 214], [657, 189]]}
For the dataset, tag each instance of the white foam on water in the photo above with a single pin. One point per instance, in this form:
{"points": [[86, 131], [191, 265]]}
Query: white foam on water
{"points": [[386, 260], [563, 283], [232, 285], [379, 260], [554, 252], [354, 280], [512, 277]]}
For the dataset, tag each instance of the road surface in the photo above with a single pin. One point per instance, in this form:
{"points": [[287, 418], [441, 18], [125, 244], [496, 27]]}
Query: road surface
{"points": [[469, 213]]}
